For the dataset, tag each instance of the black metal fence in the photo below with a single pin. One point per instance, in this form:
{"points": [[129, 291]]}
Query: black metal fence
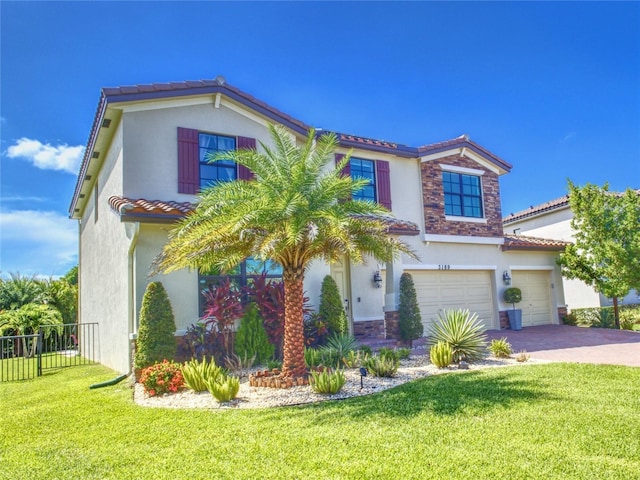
{"points": [[54, 346]]}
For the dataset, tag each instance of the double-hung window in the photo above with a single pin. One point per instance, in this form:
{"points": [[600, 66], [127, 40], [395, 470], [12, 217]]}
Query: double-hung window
{"points": [[220, 171], [462, 195], [364, 170]]}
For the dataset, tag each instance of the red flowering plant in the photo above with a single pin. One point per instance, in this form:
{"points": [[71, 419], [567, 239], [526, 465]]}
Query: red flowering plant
{"points": [[165, 377]]}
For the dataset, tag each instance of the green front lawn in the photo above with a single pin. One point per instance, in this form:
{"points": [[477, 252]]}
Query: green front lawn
{"points": [[535, 421]]}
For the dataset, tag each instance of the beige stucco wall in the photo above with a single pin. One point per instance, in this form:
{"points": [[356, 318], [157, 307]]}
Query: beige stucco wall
{"points": [[151, 139], [103, 276]]}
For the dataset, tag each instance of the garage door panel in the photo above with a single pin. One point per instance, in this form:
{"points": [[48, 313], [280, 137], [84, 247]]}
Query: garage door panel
{"points": [[536, 297], [438, 291]]}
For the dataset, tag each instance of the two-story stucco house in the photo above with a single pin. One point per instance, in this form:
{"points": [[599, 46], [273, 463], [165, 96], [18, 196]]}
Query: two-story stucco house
{"points": [[553, 220], [144, 163]]}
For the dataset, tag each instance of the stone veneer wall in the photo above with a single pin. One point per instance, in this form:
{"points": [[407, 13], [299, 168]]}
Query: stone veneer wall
{"points": [[369, 328], [392, 325], [433, 200], [562, 312]]}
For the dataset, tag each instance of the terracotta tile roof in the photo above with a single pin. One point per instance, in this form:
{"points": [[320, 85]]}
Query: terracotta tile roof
{"points": [[167, 211], [460, 142], [538, 209], [196, 87], [149, 210], [521, 242]]}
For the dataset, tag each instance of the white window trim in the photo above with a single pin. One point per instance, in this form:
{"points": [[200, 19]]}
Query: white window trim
{"points": [[463, 239], [453, 218], [465, 170]]}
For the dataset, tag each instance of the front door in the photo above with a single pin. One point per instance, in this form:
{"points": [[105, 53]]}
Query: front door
{"points": [[340, 274]]}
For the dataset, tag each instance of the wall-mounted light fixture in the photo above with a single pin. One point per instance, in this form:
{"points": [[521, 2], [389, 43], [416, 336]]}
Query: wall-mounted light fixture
{"points": [[377, 279], [506, 278]]}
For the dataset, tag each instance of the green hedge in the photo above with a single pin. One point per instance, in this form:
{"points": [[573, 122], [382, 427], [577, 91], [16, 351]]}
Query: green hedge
{"points": [[603, 317]]}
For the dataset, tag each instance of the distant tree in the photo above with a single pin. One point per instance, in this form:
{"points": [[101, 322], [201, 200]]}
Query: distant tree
{"points": [[156, 335], [63, 296], [606, 252], [26, 320], [410, 321], [18, 291], [72, 276], [331, 309]]}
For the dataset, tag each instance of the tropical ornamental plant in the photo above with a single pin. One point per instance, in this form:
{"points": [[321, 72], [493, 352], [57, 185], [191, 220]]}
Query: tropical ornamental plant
{"points": [[156, 335], [294, 211], [164, 377], [223, 306], [441, 354], [463, 332]]}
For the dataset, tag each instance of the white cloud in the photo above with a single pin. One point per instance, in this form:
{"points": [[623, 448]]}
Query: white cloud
{"points": [[37, 242], [568, 137], [46, 156]]}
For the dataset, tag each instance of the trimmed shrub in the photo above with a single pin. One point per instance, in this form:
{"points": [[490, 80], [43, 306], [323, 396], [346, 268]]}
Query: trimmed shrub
{"points": [[463, 332], [156, 335], [409, 319], [165, 377], [251, 337], [327, 382], [441, 354], [331, 308], [500, 348], [512, 295]]}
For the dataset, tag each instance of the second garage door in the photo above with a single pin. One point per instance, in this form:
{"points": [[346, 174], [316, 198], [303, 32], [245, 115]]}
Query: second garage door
{"points": [[536, 297], [439, 290]]}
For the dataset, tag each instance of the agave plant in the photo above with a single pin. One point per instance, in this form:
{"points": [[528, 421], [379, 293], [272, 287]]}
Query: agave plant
{"points": [[463, 332]]}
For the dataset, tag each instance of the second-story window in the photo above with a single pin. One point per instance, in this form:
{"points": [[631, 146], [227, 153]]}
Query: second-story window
{"points": [[220, 171], [364, 169], [462, 195]]}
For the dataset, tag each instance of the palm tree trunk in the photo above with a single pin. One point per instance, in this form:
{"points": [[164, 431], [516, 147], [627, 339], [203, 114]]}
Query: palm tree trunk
{"points": [[293, 362]]}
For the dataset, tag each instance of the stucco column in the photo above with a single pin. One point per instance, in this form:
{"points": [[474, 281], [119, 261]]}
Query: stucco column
{"points": [[392, 282]]}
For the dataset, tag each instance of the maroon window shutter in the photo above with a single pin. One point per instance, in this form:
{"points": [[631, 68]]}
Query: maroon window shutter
{"points": [[245, 143], [384, 183], [188, 161]]}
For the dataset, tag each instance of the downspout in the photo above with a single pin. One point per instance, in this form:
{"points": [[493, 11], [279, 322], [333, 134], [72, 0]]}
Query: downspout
{"points": [[133, 231]]}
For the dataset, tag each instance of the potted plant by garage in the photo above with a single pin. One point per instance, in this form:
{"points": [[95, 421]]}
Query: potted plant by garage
{"points": [[513, 295]]}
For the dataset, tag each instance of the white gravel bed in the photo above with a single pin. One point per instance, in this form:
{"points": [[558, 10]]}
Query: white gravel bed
{"points": [[256, 397]]}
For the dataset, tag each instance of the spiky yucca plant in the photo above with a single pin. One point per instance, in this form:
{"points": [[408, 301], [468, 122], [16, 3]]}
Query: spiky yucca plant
{"points": [[224, 388], [327, 382], [441, 354], [500, 348], [463, 332], [197, 374]]}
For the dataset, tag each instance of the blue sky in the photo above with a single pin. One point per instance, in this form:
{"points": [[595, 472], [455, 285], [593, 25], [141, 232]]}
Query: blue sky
{"points": [[552, 88]]}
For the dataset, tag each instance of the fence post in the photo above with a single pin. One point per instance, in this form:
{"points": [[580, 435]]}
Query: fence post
{"points": [[39, 351]]}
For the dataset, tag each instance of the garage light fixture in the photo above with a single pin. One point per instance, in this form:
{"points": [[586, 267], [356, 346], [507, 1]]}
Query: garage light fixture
{"points": [[377, 279], [506, 278]]}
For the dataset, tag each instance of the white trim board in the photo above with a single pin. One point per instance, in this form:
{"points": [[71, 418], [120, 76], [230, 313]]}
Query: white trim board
{"points": [[429, 237]]}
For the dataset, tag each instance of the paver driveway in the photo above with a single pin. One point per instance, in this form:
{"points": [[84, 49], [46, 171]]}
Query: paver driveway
{"points": [[565, 343]]}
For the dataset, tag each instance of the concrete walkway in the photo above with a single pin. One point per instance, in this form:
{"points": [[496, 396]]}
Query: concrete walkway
{"points": [[565, 343]]}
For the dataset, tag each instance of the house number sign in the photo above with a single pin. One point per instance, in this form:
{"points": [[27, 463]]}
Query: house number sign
{"points": [[444, 267]]}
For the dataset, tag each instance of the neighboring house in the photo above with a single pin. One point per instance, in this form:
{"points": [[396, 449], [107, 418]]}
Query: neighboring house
{"points": [[553, 220], [144, 164]]}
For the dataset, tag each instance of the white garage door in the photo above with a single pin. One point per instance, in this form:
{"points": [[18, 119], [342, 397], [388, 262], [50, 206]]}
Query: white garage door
{"points": [[437, 291], [536, 296]]}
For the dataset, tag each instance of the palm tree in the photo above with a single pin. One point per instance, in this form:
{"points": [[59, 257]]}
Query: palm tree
{"points": [[297, 209]]}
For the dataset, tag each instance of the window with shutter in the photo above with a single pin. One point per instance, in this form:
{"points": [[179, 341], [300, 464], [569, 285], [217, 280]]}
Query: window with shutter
{"points": [[194, 150]]}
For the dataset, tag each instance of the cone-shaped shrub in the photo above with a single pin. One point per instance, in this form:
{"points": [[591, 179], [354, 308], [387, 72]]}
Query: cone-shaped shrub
{"points": [[331, 308], [156, 335], [409, 321], [251, 337]]}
